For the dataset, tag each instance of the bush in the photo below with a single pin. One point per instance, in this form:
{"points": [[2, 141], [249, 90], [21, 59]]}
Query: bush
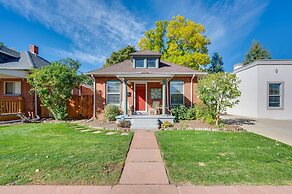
{"points": [[204, 113], [125, 124], [166, 124], [111, 111], [183, 113]]}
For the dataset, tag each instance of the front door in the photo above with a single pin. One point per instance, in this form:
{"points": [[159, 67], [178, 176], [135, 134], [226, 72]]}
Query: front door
{"points": [[140, 97]]}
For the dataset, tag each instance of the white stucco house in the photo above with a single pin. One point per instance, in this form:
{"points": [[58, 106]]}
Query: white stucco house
{"points": [[266, 90]]}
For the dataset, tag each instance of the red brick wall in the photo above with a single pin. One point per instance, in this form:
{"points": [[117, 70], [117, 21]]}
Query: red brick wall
{"points": [[83, 90], [101, 91], [27, 97]]}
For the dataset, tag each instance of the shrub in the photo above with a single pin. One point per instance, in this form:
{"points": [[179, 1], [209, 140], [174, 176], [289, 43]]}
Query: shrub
{"points": [[204, 113], [166, 124], [111, 111], [125, 124], [183, 113]]}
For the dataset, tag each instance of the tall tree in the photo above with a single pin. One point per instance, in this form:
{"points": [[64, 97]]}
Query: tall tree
{"points": [[180, 41], [216, 64], [256, 52], [54, 84], [119, 56], [1, 44]]}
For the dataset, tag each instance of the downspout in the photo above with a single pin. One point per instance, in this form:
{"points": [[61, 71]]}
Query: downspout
{"points": [[94, 99], [192, 89], [36, 106]]}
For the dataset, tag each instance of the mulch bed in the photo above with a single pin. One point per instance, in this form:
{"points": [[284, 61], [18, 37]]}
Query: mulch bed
{"points": [[200, 125]]}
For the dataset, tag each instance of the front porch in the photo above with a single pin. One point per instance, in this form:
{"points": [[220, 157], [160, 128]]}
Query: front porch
{"points": [[145, 121]]}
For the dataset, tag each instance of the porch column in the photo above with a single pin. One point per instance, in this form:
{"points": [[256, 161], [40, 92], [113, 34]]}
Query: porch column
{"points": [[125, 106], [163, 97]]}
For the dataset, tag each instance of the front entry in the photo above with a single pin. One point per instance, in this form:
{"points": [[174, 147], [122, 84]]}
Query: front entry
{"points": [[140, 97]]}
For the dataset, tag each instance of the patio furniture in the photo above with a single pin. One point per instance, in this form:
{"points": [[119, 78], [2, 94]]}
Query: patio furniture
{"points": [[155, 108]]}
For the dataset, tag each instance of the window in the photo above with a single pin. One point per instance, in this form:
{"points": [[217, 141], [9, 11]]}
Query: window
{"points": [[12, 88], [275, 95], [176, 92], [139, 63], [113, 91], [151, 63]]}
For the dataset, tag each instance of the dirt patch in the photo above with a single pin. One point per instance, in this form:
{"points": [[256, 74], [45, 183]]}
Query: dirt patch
{"points": [[100, 124], [200, 125]]}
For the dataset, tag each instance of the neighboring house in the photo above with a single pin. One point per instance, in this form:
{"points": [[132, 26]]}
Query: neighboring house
{"points": [[14, 89], [266, 89], [145, 85], [83, 90]]}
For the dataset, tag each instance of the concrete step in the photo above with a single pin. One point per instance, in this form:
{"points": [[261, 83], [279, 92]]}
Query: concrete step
{"points": [[148, 124]]}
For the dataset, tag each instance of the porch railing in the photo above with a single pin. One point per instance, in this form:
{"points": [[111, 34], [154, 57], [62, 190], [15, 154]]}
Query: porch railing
{"points": [[11, 106]]}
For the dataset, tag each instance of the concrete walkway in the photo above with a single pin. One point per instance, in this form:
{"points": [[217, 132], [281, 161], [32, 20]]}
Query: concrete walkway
{"points": [[144, 173]]}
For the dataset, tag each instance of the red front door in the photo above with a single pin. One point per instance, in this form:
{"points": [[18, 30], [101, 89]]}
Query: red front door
{"points": [[140, 97]]}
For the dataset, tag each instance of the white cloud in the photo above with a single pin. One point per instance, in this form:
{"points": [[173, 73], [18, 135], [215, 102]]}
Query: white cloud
{"points": [[95, 27]]}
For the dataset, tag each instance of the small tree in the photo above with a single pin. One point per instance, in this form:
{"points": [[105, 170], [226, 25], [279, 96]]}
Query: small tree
{"points": [[119, 56], [219, 91], [54, 84], [216, 64], [256, 52]]}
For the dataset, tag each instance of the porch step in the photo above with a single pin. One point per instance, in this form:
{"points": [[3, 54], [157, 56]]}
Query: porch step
{"points": [[144, 123]]}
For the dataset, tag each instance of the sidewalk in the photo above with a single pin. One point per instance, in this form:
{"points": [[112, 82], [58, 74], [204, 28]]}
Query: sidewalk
{"points": [[144, 173]]}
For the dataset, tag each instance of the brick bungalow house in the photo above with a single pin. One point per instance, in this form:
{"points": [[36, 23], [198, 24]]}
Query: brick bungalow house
{"points": [[14, 89], [144, 87]]}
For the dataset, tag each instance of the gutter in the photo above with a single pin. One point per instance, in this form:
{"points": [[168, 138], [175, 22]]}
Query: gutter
{"points": [[94, 99], [36, 106]]}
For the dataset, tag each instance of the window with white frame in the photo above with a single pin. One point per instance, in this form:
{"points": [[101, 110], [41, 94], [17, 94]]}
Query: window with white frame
{"points": [[151, 63], [12, 88], [176, 93], [275, 95], [113, 92], [139, 63]]}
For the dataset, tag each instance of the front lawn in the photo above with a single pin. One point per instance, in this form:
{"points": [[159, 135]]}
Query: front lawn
{"points": [[225, 158], [60, 154]]}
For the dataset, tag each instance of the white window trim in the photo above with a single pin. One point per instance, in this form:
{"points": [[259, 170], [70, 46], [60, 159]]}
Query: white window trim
{"points": [[144, 62], [115, 93], [281, 95], [155, 59], [4, 86], [179, 81]]}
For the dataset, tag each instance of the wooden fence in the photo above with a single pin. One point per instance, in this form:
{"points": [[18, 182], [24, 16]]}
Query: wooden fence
{"points": [[80, 107]]}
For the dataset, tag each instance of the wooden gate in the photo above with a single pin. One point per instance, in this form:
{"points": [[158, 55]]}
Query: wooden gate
{"points": [[80, 107]]}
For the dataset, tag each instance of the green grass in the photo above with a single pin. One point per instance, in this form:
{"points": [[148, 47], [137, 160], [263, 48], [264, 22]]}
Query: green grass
{"points": [[225, 158], [61, 153]]}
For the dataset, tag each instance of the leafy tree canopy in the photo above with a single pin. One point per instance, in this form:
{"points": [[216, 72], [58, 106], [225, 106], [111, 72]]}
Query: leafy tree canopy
{"points": [[119, 56], [219, 91], [256, 52], [216, 64], [1, 44], [54, 84], [180, 41]]}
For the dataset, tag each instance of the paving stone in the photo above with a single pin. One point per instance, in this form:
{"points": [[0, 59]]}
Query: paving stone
{"points": [[85, 130], [144, 173], [144, 155], [144, 189], [110, 133]]}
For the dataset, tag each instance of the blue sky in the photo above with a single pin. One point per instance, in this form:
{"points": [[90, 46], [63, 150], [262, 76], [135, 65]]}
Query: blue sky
{"points": [[90, 30]]}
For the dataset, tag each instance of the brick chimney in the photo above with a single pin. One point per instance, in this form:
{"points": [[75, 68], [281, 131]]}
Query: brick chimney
{"points": [[34, 49]]}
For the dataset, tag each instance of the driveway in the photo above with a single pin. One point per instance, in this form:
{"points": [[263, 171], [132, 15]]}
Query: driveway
{"points": [[280, 130]]}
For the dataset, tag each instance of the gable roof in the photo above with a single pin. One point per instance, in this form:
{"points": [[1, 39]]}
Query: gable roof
{"points": [[126, 67], [14, 60], [145, 53]]}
